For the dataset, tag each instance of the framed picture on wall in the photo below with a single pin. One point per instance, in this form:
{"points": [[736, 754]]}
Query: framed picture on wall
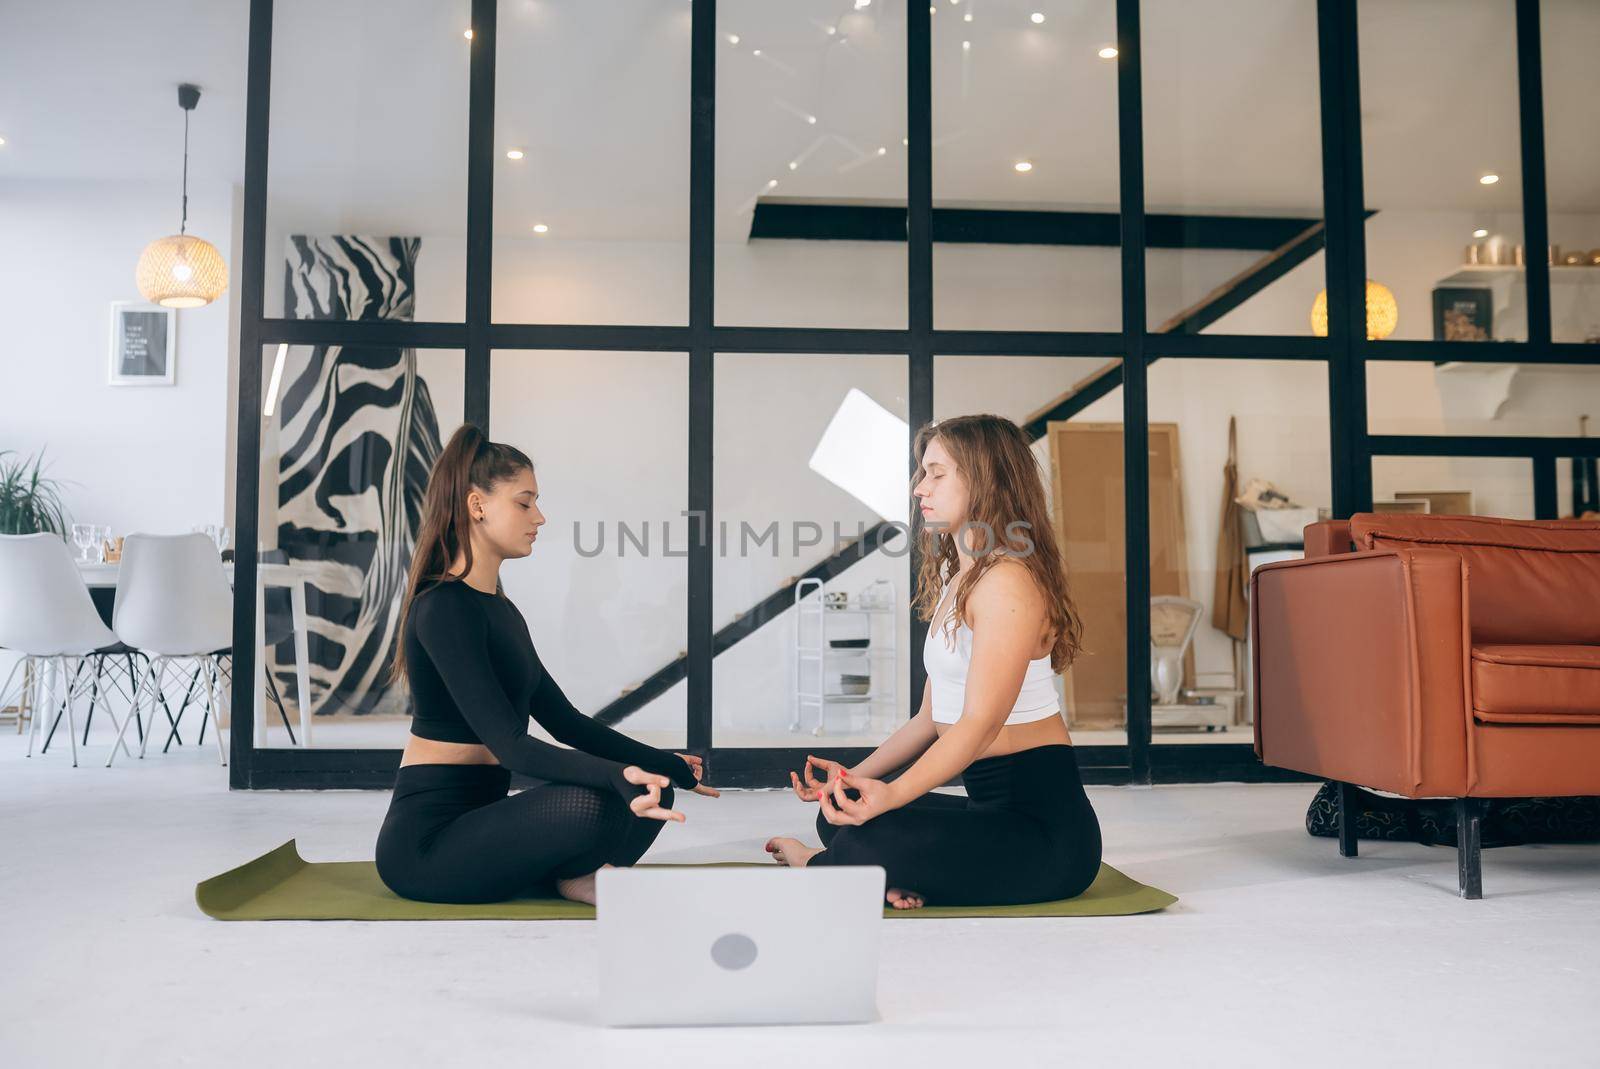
{"points": [[1463, 314], [144, 344]]}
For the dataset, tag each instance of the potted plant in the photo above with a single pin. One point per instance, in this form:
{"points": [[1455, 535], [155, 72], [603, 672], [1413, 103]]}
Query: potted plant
{"points": [[29, 502]]}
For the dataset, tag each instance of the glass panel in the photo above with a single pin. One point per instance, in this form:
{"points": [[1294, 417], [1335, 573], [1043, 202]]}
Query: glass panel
{"points": [[1459, 486], [1578, 488], [831, 469], [1568, 31], [811, 168], [591, 183], [1280, 413], [1417, 397], [369, 144], [1072, 408], [1233, 167], [349, 436], [606, 596], [1025, 176], [1443, 239]]}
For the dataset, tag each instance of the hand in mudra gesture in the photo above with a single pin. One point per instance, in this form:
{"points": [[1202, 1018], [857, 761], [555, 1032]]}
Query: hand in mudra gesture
{"points": [[648, 804], [698, 765], [809, 790], [875, 799]]}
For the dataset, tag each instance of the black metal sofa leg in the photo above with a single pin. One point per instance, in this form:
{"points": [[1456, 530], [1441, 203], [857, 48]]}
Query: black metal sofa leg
{"points": [[1347, 820], [1469, 846]]}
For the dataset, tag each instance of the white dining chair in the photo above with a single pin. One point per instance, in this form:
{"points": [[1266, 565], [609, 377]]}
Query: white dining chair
{"points": [[174, 603], [46, 615]]}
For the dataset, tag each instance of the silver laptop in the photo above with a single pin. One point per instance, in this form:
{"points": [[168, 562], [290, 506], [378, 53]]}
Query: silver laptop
{"points": [[742, 946]]}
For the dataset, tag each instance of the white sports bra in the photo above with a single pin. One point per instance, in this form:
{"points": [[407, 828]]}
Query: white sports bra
{"points": [[947, 673]]}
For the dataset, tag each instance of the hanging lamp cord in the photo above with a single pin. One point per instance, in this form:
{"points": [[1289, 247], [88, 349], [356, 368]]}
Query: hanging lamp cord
{"points": [[184, 225]]}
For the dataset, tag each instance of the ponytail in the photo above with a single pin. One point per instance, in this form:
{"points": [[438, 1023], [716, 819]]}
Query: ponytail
{"points": [[469, 461]]}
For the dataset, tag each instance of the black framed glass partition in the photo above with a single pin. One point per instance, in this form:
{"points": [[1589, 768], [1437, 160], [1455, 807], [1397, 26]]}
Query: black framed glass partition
{"points": [[711, 264]]}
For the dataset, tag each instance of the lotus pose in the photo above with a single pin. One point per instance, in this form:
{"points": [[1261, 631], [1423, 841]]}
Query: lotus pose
{"points": [[452, 833], [994, 585]]}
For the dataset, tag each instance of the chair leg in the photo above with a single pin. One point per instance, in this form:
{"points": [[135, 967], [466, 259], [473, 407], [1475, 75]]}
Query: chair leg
{"points": [[36, 702], [188, 696], [5, 691], [131, 718], [72, 726], [272, 692], [1469, 846], [94, 694], [211, 709], [64, 707], [1347, 820], [153, 675]]}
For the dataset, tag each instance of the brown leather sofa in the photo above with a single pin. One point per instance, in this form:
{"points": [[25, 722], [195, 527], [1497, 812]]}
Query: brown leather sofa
{"points": [[1434, 656]]}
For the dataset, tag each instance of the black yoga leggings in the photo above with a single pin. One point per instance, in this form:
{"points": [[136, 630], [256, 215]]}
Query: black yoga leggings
{"points": [[1025, 833], [453, 834]]}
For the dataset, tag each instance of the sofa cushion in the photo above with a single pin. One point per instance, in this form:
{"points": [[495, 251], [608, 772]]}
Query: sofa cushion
{"points": [[1527, 580], [1534, 684]]}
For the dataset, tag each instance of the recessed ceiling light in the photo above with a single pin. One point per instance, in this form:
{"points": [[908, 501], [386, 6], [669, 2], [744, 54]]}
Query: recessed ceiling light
{"points": [[755, 51], [967, 17], [2, 140], [882, 151], [1489, 179], [1022, 166], [540, 228], [771, 182], [1480, 233], [812, 119], [905, 142], [733, 38], [514, 154], [1108, 52], [863, 3], [966, 45], [1036, 18], [794, 165], [832, 30], [467, 34]]}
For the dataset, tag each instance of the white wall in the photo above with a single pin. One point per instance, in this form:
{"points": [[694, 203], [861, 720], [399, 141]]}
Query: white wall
{"points": [[140, 458]]}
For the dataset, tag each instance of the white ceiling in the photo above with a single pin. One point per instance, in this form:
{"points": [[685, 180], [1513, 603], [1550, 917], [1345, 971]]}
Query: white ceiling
{"points": [[370, 98]]}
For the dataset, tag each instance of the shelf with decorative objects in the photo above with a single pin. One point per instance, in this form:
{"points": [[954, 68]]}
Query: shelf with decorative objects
{"points": [[821, 654]]}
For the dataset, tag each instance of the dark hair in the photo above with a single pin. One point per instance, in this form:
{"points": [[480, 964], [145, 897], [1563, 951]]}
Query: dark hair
{"points": [[469, 461]]}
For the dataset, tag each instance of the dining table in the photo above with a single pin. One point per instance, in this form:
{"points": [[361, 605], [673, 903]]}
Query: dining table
{"points": [[296, 578]]}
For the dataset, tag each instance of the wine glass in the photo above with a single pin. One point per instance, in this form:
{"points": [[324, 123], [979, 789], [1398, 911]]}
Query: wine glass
{"points": [[102, 537], [83, 537], [223, 535]]}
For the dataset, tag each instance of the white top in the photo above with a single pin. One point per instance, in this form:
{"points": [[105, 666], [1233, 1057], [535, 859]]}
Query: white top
{"points": [[946, 662]]}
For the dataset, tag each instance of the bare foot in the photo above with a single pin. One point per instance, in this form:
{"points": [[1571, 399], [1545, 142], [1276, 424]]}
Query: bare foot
{"points": [[791, 852], [903, 899], [578, 888]]}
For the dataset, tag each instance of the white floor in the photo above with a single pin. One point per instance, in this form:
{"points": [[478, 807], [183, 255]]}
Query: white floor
{"points": [[1279, 953]]}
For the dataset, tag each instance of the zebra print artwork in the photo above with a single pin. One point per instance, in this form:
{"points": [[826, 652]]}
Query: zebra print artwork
{"points": [[357, 435]]}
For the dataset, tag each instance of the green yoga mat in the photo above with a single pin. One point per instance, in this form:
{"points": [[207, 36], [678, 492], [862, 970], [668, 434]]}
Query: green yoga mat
{"points": [[282, 885]]}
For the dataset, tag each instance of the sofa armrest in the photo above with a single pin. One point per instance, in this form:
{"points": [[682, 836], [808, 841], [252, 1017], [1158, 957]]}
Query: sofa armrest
{"points": [[1361, 665], [1326, 538]]}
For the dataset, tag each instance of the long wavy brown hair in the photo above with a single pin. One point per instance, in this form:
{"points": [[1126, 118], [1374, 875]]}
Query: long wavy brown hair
{"points": [[469, 461], [1005, 493]]}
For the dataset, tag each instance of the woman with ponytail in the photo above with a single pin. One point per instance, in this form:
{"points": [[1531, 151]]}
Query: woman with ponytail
{"points": [[452, 832]]}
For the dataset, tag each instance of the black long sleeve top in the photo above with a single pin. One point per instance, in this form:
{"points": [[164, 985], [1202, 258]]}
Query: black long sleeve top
{"points": [[475, 677]]}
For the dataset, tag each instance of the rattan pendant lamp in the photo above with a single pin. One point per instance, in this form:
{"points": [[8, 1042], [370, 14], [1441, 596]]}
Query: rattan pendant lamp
{"points": [[181, 270]]}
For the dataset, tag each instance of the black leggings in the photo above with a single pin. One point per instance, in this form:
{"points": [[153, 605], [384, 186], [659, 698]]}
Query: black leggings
{"points": [[453, 834], [1025, 833]]}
